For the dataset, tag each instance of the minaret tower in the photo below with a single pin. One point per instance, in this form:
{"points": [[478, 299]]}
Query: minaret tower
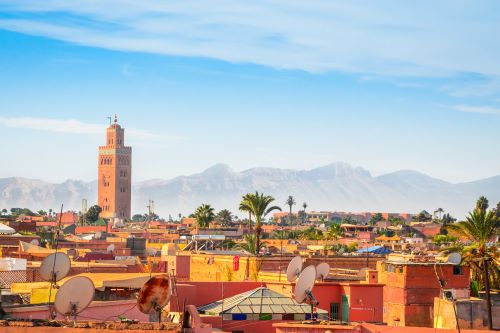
{"points": [[114, 175]]}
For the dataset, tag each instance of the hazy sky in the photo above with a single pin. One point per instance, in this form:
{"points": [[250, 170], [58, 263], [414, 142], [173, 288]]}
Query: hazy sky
{"points": [[385, 85]]}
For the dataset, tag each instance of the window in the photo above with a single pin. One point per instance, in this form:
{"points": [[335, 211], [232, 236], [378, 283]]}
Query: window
{"points": [[334, 311], [457, 270]]}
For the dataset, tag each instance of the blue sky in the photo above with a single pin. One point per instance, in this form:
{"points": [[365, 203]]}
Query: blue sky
{"points": [[385, 85]]}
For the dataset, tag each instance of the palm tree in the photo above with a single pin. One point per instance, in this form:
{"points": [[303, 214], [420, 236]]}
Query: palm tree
{"points": [[245, 208], [304, 215], [224, 217], [482, 204], [438, 213], [479, 228], [204, 214], [249, 244], [290, 202], [334, 232], [259, 205]]}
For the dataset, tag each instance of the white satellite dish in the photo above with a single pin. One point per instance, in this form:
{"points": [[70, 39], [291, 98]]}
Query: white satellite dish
{"points": [[294, 268], [304, 286], [55, 267], [110, 248], [98, 235], [35, 242], [454, 258], [74, 296], [322, 271]]}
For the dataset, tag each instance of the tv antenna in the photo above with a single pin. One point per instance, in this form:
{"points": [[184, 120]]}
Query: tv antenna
{"points": [[155, 294], [110, 119], [304, 287], [294, 268], [70, 303], [322, 271]]}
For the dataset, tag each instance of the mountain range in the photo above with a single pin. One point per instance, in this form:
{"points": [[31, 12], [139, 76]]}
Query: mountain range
{"points": [[338, 186]]}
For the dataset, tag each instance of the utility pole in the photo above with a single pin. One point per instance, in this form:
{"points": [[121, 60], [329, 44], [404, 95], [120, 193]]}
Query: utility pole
{"points": [[487, 289]]}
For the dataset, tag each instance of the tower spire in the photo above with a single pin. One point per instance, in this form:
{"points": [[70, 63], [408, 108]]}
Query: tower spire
{"points": [[116, 118]]}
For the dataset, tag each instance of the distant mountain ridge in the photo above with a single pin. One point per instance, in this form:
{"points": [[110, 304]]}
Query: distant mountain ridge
{"points": [[338, 186]]}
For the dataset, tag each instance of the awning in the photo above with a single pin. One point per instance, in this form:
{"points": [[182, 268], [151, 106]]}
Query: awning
{"points": [[6, 230], [375, 250]]}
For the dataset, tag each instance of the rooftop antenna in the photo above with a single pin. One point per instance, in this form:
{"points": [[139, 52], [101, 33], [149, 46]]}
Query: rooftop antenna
{"points": [[322, 271], [110, 119], [294, 268], [304, 287], [155, 294], [70, 303]]}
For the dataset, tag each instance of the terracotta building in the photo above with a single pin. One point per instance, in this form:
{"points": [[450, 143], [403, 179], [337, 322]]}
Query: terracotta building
{"points": [[114, 175], [412, 284]]}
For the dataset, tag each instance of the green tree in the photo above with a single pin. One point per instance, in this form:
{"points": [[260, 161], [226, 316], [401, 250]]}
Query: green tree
{"points": [[312, 233], [444, 239], [395, 221], [204, 214], [139, 218], [93, 213], [377, 217], [333, 233], [483, 258], [259, 205], [439, 213], [304, 215], [4, 211], [290, 201], [249, 244], [482, 204], [224, 217], [41, 212], [245, 208]]}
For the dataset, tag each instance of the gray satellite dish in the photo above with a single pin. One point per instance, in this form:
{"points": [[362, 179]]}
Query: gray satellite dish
{"points": [[35, 242], [70, 303], [98, 235], [322, 271], [294, 268], [454, 258], [55, 267], [110, 248], [305, 284]]}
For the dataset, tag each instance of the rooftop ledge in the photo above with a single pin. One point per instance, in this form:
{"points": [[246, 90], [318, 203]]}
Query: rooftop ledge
{"points": [[60, 326]]}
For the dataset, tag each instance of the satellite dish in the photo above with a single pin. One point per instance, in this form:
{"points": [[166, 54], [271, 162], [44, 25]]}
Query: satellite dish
{"points": [[322, 271], [305, 284], [155, 294], [70, 303], [35, 242], [454, 258], [294, 268], [111, 248], [98, 235], [55, 267]]}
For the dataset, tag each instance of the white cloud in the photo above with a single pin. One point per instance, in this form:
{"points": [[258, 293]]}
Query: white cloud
{"points": [[72, 126], [477, 109], [396, 38]]}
